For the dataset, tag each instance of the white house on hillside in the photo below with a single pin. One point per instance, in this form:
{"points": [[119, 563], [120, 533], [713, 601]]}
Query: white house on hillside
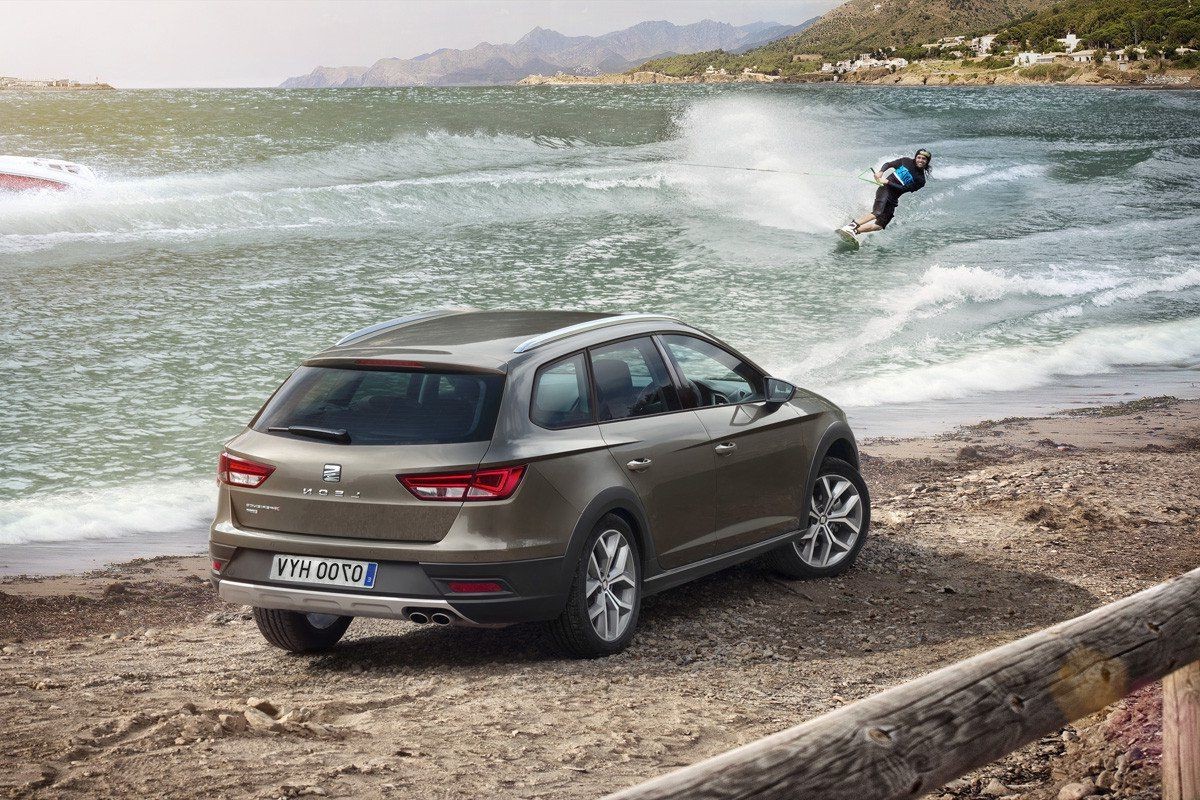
{"points": [[1070, 41], [983, 44], [1029, 59]]}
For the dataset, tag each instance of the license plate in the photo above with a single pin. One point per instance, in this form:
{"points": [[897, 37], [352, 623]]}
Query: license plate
{"points": [[324, 571]]}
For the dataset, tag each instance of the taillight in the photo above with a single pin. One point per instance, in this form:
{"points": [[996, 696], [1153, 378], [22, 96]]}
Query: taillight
{"points": [[242, 473], [482, 484]]}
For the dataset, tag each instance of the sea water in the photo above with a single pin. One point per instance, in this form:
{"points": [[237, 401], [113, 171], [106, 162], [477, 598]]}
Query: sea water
{"points": [[1051, 260]]}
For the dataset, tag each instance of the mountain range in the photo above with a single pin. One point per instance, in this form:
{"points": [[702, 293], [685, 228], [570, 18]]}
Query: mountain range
{"points": [[547, 52]]}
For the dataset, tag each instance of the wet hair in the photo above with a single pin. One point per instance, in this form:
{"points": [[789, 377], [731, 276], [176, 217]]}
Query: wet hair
{"points": [[928, 162]]}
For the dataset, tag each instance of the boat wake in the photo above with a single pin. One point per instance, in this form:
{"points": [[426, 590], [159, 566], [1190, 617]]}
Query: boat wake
{"points": [[411, 183]]}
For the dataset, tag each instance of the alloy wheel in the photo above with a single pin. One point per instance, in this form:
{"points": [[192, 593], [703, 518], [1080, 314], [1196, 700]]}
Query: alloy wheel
{"points": [[611, 588], [834, 522]]}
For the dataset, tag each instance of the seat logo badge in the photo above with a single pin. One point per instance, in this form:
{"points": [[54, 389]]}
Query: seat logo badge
{"points": [[332, 473]]}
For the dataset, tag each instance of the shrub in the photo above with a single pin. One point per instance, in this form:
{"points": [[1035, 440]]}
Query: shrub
{"points": [[1048, 72], [991, 62]]}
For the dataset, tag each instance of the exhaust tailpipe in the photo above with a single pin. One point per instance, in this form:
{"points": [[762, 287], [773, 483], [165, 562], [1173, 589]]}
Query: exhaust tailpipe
{"points": [[441, 618], [419, 617]]}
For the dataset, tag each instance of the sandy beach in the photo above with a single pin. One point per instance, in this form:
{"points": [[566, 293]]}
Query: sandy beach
{"points": [[134, 680]]}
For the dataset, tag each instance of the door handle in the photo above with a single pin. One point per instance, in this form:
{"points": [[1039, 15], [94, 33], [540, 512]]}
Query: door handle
{"points": [[639, 464], [725, 448]]}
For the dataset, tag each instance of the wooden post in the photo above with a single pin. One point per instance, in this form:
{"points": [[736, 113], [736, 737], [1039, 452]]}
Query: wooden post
{"points": [[1181, 734], [907, 741]]}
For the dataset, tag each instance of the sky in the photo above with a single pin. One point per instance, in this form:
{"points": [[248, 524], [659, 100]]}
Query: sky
{"points": [[176, 43]]}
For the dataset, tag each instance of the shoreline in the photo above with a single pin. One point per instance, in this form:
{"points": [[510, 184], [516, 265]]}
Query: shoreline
{"points": [[1072, 424], [895, 421], [912, 76], [135, 677]]}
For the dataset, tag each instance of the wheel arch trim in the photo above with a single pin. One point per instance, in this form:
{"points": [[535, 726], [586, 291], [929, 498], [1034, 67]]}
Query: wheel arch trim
{"points": [[831, 440]]}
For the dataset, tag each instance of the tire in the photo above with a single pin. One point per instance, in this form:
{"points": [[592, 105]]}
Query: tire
{"points": [[574, 633], [298, 632], [814, 554]]}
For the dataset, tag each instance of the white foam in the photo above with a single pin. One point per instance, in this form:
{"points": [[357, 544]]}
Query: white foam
{"points": [[109, 512], [753, 132], [1092, 352], [942, 288], [414, 181], [1170, 283]]}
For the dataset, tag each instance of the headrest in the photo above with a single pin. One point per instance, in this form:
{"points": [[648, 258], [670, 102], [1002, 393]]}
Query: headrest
{"points": [[612, 376]]}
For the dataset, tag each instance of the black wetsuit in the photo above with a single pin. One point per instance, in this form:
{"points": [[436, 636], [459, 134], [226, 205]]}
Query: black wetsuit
{"points": [[907, 177]]}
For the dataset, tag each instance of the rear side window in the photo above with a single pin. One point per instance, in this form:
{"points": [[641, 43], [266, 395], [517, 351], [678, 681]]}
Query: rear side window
{"points": [[388, 407], [631, 380], [560, 394]]}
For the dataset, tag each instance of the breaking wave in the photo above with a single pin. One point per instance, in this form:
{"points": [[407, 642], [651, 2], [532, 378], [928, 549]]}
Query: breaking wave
{"points": [[1092, 352], [108, 513], [943, 288]]}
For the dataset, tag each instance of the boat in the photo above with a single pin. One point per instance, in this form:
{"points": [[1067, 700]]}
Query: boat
{"points": [[18, 173]]}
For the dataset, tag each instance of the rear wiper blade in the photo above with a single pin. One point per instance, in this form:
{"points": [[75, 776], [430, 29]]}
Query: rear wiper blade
{"points": [[339, 435]]}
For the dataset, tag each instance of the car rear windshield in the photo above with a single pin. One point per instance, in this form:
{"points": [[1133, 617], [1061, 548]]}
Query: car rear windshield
{"points": [[387, 407]]}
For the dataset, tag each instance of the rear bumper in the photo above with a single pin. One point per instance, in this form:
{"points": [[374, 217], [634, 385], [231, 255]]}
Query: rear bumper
{"points": [[535, 589], [326, 602]]}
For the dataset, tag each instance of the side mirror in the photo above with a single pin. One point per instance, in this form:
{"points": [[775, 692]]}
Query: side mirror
{"points": [[778, 391]]}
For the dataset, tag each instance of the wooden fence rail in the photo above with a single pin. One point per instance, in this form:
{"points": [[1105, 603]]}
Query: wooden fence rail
{"points": [[910, 740]]}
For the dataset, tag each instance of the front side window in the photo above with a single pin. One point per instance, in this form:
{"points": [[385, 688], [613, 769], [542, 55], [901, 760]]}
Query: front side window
{"points": [[388, 407], [713, 375], [560, 394], [631, 380]]}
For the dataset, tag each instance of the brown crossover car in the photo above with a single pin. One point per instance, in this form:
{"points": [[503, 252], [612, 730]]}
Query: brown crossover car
{"points": [[494, 467]]}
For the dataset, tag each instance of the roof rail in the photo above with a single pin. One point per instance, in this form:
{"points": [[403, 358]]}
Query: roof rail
{"points": [[584, 327], [400, 322]]}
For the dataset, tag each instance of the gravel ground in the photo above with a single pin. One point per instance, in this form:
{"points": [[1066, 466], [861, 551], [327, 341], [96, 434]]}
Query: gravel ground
{"points": [[135, 680]]}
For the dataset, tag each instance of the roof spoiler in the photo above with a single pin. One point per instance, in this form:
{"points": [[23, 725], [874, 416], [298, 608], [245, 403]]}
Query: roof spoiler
{"points": [[400, 322], [590, 325]]}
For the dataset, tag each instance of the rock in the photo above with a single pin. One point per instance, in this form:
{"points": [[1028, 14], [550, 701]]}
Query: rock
{"points": [[317, 728], [1105, 779], [34, 777], [958, 785], [995, 789], [233, 722], [301, 714], [969, 453], [258, 720], [265, 706], [116, 589], [1076, 791]]}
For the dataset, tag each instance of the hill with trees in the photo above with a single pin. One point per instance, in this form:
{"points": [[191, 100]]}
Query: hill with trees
{"points": [[901, 27], [1162, 25], [855, 27], [866, 25]]}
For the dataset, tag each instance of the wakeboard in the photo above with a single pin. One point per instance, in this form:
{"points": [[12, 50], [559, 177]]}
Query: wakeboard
{"points": [[850, 240]]}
